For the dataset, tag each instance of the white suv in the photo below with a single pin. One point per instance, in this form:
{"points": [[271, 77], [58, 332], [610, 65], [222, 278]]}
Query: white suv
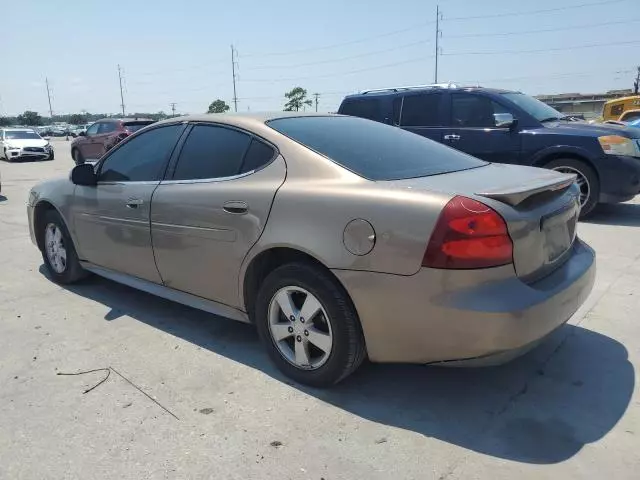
{"points": [[23, 144]]}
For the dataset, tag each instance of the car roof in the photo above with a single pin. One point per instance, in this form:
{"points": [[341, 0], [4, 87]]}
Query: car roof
{"points": [[18, 129], [392, 91], [124, 119], [242, 119]]}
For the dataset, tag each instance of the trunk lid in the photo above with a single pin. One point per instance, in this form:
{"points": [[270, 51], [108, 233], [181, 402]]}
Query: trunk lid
{"points": [[541, 208]]}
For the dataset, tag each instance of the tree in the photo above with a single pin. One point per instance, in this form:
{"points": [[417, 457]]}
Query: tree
{"points": [[218, 106], [78, 119], [29, 118], [5, 122], [297, 99]]}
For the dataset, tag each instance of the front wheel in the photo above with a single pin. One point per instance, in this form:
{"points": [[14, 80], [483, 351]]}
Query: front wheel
{"points": [[51, 156], [58, 251], [77, 156], [309, 325], [586, 178]]}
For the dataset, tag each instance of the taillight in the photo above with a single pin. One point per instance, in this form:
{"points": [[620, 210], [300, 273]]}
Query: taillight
{"points": [[468, 234]]}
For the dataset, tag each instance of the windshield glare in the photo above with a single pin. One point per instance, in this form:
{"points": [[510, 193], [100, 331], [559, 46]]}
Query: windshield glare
{"points": [[537, 109], [21, 135]]}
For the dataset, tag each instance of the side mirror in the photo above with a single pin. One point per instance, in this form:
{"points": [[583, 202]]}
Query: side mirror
{"points": [[84, 174], [504, 120], [82, 134]]}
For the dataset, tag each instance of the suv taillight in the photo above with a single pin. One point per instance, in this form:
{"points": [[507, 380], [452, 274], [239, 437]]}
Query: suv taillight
{"points": [[468, 234]]}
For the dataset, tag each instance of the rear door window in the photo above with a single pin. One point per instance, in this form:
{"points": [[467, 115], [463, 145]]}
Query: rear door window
{"points": [[422, 110], [362, 107], [211, 152]]}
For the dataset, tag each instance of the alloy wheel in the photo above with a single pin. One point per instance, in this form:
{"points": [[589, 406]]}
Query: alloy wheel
{"points": [[300, 328], [581, 180], [54, 245]]}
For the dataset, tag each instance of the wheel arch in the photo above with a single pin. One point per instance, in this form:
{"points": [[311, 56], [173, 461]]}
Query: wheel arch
{"points": [[268, 260]]}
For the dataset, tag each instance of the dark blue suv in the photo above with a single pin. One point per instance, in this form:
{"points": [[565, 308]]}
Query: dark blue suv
{"points": [[511, 127]]}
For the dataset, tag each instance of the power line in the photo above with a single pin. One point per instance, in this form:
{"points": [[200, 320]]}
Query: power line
{"points": [[341, 59], [533, 12], [544, 30], [541, 50]]}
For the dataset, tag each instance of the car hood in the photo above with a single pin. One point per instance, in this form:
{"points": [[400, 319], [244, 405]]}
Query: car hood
{"points": [[31, 142], [591, 129]]}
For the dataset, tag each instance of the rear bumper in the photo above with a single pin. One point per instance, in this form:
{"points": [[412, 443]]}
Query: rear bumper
{"points": [[479, 316], [619, 178]]}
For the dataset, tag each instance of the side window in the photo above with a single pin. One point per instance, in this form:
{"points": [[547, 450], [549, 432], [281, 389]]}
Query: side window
{"points": [[141, 159], [617, 109], [469, 110], [257, 156], [93, 129], [211, 152], [107, 127], [421, 110], [364, 108]]}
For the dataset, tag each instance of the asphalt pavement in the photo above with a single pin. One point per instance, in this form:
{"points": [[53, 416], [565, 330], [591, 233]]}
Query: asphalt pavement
{"points": [[190, 395]]}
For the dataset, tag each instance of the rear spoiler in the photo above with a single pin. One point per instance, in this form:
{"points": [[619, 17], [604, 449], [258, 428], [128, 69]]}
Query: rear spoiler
{"points": [[519, 193]]}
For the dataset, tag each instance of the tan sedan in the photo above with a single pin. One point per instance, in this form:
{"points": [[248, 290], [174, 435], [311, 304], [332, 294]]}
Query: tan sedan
{"points": [[339, 238]]}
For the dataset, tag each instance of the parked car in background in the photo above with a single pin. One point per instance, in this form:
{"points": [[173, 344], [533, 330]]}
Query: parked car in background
{"points": [[504, 126], [103, 135], [367, 241], [24, 144]]}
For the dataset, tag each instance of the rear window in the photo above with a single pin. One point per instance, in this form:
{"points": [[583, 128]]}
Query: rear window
{"points": [[374, 150], [135, 126], [363, 108]]}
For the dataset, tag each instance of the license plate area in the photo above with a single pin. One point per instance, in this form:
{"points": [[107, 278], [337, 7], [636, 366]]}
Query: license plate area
{"points": [[559, 230]]}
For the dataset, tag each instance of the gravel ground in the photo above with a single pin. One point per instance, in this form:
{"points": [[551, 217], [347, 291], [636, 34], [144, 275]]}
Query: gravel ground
{"points": [[194, 396]]}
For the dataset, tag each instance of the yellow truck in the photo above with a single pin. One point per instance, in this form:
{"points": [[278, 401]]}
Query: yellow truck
{"points": [[619, 109]]}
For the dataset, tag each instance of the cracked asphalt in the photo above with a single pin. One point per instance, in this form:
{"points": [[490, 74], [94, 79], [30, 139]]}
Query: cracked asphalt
{"points": [[194, 396]]}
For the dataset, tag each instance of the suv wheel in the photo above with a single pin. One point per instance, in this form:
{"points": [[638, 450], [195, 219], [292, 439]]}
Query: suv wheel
{"points": [[309, 325], [77, 156], [586, 179]]}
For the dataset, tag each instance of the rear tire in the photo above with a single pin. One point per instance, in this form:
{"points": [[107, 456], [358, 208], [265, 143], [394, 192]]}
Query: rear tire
{"points": [[58, 252], [587, 180], [51, 156], [77, 156], [334, 325]]}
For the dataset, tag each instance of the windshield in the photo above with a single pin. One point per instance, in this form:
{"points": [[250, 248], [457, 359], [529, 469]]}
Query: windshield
{"points": [[537, 109], [373, 150], [21, 135]]}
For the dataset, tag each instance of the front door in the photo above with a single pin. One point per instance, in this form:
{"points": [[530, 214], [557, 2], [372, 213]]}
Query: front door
{"points": [[86, 143], [111, 219], [472, 129], [209, 214]]}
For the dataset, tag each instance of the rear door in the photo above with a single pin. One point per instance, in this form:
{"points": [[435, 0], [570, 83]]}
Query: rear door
{"points": [[472, 128], [422, 113], [211, 211]]}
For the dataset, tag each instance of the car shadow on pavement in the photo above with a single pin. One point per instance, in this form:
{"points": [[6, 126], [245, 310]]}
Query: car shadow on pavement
{"points": [[2, 198], [624, 214], [542, 408]]}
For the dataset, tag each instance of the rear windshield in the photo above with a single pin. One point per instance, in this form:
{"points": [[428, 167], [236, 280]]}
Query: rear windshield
{"points": [[374, 150], [21, 135], [135, 126]]}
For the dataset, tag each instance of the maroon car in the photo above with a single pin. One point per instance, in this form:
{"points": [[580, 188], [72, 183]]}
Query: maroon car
{"points": [[104, 135]]}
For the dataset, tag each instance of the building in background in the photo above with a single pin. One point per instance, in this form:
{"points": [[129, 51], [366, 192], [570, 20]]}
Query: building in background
{"points": [[588, 105]]}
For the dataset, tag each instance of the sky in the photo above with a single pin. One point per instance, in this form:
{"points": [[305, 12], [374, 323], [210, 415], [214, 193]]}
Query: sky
{"points": [[180, 51]]}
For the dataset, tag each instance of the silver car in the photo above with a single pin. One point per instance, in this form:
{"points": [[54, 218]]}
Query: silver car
{"points": [[338, 237]]}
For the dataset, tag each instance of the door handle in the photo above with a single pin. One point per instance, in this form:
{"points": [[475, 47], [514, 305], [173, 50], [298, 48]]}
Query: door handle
{"points": [[236, 208], [452, 137], [134, 202]]}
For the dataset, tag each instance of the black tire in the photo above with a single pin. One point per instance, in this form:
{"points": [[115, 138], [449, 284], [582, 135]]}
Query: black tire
{"points": [[348, 349], [77, 156], [72, 271], [52, 156], [593, 182]]}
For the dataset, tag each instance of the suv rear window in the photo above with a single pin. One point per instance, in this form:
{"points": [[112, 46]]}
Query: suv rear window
{"points": [[135, 126], [364, 108], [374, 150]]}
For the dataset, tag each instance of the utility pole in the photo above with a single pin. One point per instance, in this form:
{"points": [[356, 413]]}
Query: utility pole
{"points": [[316, 95], [46, 81], [636, 84], [438, 33], [233, 72], [173, 109], [121, 95]]}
